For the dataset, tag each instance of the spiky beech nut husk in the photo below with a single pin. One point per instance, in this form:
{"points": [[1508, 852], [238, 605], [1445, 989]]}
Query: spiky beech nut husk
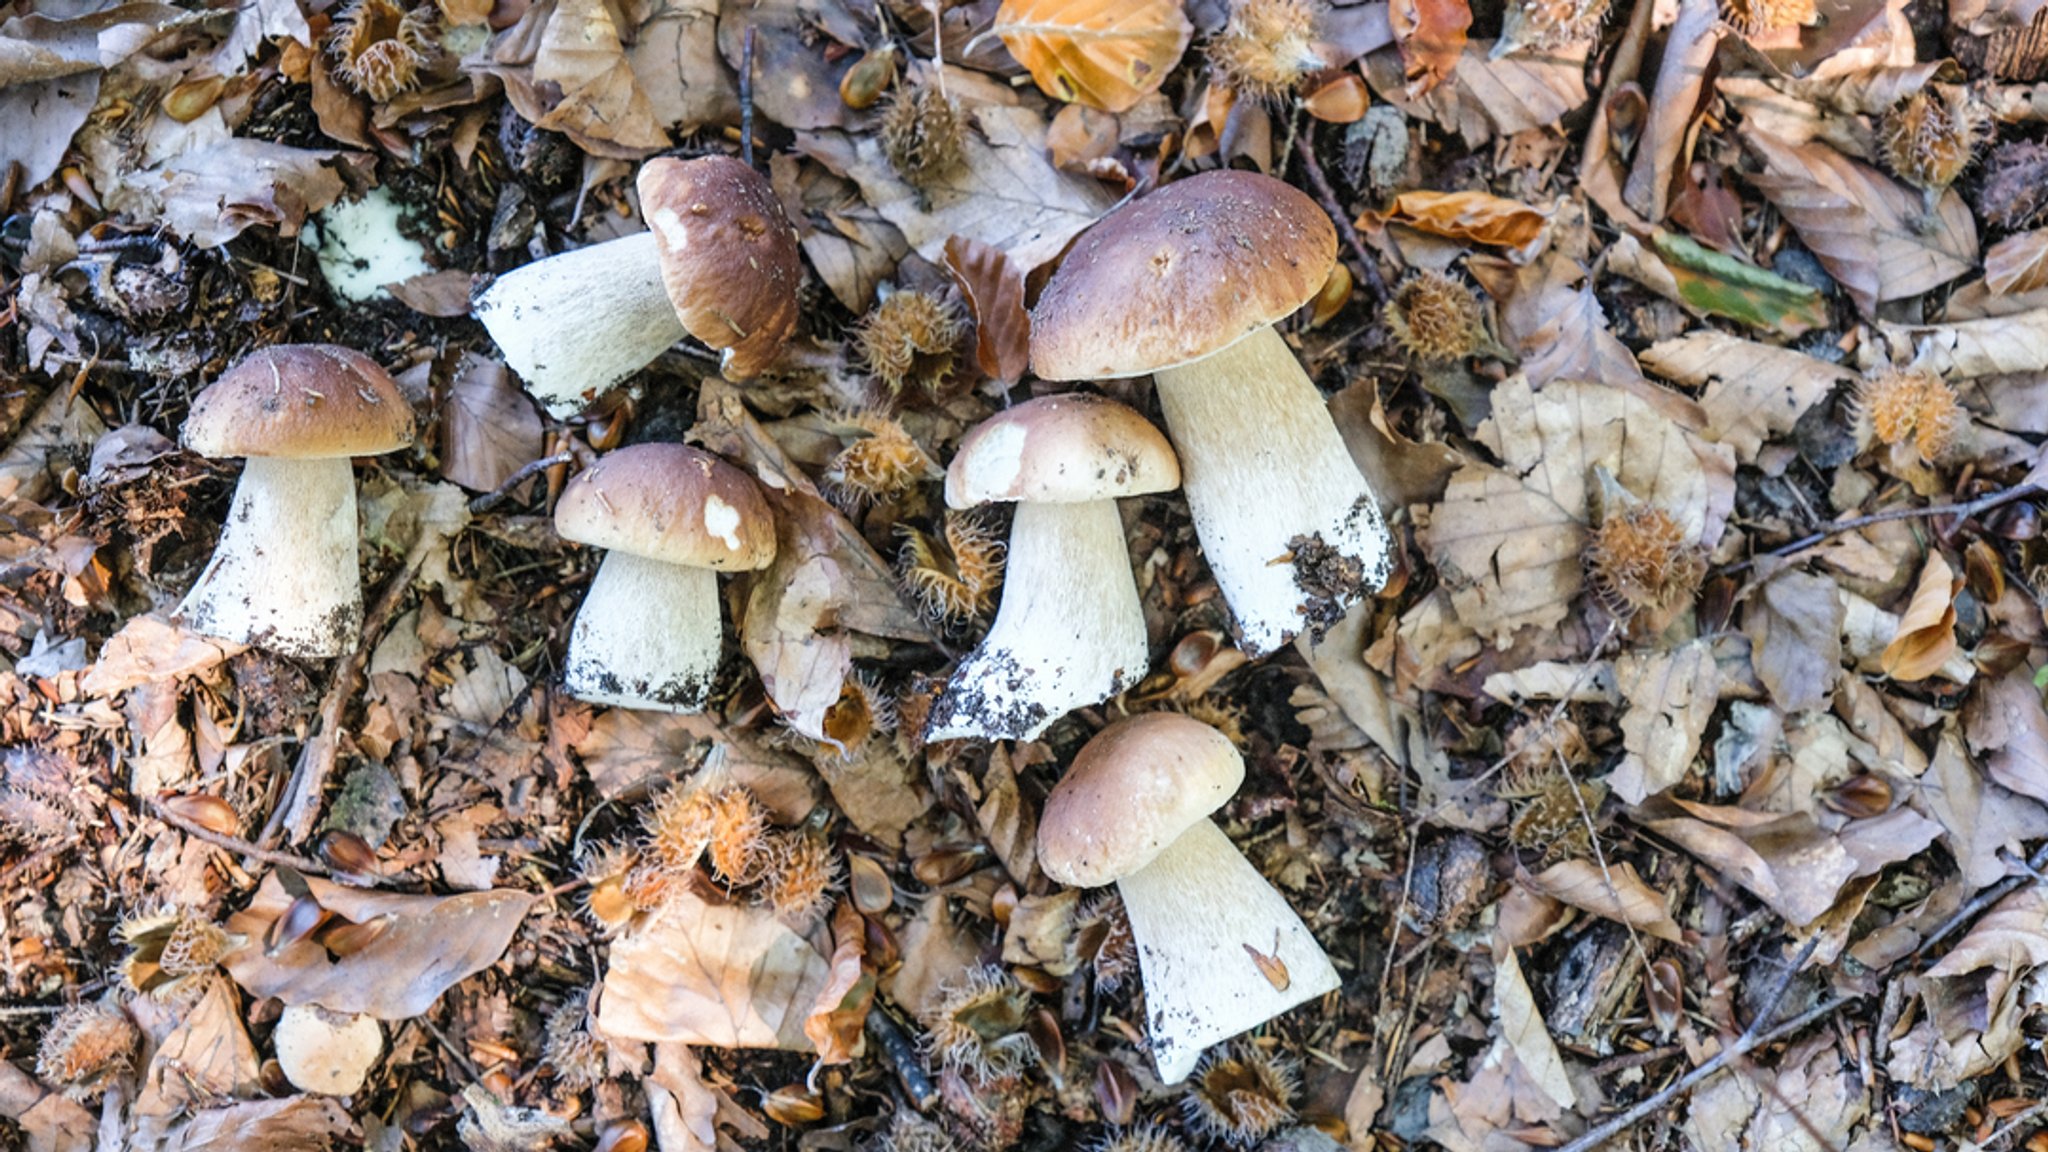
{"points": [[1142, 1138], [1268, 46], [924, 134], [880, 458], [1555, 23], [1436, 317], [677, 829], [1106, 927], [1756, 17], [862, 712], [1929, 137], [378, 48], [739, 835], [799, 874], [977, 1028], [580, 1057], [86, 1046], [167, 951], [955, 577], [605, 868], [2015, 188], [1240, 1094], [911, 338], [1912, 406], [650, 885], [910, 1132], [1641, 558]]}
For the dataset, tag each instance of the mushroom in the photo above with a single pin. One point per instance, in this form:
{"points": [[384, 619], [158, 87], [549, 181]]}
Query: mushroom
{"points": [[1186, 284], [1220, 951], [650, 628], [284, 575], [1069, 631], [327, 1052], [719, 262]]}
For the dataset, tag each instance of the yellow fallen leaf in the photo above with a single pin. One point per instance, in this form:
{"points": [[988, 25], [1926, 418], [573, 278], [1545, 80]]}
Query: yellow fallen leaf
{"points": [[1107, 54], [1927, 632], [1473, 216]]}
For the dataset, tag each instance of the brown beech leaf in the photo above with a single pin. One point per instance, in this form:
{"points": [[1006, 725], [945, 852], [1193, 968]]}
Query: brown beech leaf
{"points": [[994, 288], [50, 1122], [149, 649], [1474, 217], [290, 1122], [489, 427], [2017, 263], [1484, 97], [2006, 724], [1927, 632], [1752, 391], [1671, 696], [206, 1056], [841, 1011], [2002, 345], [603, 107], [1794, 624], [1618, 894], [428, 945], [2011, 936], [1431, 37], [1107, 54], [1873, 234], [730, 976], [1788, 862]]}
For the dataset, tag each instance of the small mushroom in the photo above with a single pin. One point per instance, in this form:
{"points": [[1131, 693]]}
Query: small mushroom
{"points": [[1186, 284], [284, 575], [649, 631], [1219, 950], [1070, 631], [719, 262], [327, 1052]]}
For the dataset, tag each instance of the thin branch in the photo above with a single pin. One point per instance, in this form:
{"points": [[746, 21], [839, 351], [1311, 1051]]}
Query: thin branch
{"points": [[1965, 511], [1305, 148], [235, 844], [747, 98], [528, 471], [1985, 899]]}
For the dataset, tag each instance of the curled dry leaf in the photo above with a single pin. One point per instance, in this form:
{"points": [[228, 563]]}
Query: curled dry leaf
{"points": [[1926, 638], [994, 289], [841, 1010], [1484, 97], [1617, 894], [430, 944], [1521, 1025], [1473, 217], [1107, 54], [730, 976], [2017, 263], [1431, 37], [2006, 724], [148, 650], [603, 106]]}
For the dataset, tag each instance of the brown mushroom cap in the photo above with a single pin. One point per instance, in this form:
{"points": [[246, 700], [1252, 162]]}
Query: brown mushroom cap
{"points": [[1061, 450], [300, 402], [1129, 795], [728, 255], [671, 503], [1179, 275]]}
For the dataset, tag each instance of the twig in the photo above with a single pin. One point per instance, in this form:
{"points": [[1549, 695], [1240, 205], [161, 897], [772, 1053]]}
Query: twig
{"points": [[1305, 147], [528, 471], [747, 97], [1966, 510], [903, 1058], [1985, 899], [2011, 1126], [1750, 1039], [236, 844]]}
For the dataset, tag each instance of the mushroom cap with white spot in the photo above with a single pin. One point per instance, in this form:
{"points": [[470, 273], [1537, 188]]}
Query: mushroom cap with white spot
{"points": [[327, 1052], [1130, 793], [1061, 449], [672, 503], [729, 256]]}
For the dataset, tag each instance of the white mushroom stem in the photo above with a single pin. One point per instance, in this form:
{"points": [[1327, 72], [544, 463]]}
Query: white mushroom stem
{"points": [[575, 324], [1198, 911], [284, 576], [1286, 521], [647, 636], [1069, 632]]}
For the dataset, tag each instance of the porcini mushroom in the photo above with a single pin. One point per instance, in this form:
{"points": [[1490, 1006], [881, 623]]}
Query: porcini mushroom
{"points": [[1186, 284], [649, 631], [327, 1052], [1070, 631], [1220, 951], [284, 575], [719, 262]]}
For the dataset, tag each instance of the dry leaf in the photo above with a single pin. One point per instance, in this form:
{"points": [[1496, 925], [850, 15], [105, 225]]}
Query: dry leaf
{"points": [[1008, 824], [1486, 98], [1794, 623], [444, 294], [1872, 233], [852, 247], [937, 952], [1674, 102], [1107, 54], [1980, 819], [728, 976], [205, 1057], [2006, 724], [1473, 217], [288, 1124], [1431, 37], [1508, 540], [840, 1014], [2012, 936], [1671, 696], [1996, 346], [2017, 263], [50, 1122], [1753, 392], [489, 427], [1788, 862], [1618, 894], [1807, 1101], [1521, 1025], [427, 945], [149, 650], [212, 195], [602, 107], [994, 290], [684, 1107], [1927, 632]]}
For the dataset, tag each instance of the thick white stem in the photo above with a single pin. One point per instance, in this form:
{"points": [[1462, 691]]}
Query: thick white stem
{"points": [[1289, 526], [284, 576], [647, 636], [1069, 632], [575, 324], [1198, 911]]}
